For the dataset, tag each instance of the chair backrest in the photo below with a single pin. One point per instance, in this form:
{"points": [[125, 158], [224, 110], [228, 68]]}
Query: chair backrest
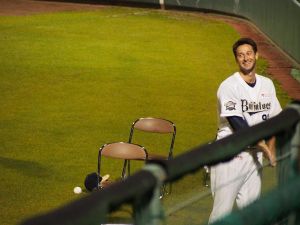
{"points": [[122, 150], [155, 125]]}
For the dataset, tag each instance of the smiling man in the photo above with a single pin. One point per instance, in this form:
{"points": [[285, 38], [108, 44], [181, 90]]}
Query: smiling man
{"points": [[244, 99]]}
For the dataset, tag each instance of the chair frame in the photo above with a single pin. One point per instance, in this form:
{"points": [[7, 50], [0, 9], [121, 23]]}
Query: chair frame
{"points": [[154, 125]]}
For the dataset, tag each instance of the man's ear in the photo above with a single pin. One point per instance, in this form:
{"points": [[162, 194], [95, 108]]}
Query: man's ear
{"points": [[256, 55]]}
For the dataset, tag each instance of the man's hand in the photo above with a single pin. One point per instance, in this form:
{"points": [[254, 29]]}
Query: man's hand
{"points": [[268, 150]]}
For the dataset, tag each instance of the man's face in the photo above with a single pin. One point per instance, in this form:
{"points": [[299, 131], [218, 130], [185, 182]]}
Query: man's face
{"points": [[246, 58]]}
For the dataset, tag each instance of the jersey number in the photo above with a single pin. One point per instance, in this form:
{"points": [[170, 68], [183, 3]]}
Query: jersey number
{"points": [[265, 116]]}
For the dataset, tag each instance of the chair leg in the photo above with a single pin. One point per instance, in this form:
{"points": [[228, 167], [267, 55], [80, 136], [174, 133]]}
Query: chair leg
{"points": [[126, 166], [206, 176], [124, 169], [164, 191]]}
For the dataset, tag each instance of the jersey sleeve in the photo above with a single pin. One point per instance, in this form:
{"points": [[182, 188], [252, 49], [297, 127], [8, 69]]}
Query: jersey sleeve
{"points": [[237, 123], [276, 108], [229, 102]]}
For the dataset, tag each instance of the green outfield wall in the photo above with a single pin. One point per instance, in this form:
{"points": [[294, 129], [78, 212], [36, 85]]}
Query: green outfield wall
{"points": [[278, 19]]}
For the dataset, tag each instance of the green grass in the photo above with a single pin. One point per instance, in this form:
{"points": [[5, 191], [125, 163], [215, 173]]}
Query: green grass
{"points": [[71, 82]]}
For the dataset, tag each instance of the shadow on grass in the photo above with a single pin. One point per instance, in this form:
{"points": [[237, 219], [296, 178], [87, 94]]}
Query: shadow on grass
{"points": [[28, 168]]}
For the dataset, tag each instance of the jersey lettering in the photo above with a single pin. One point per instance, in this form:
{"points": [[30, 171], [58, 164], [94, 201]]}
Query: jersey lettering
{"points": [[255, 106]]}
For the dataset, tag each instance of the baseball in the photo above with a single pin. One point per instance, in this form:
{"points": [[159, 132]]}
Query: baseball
{"points": [[77, 190]]}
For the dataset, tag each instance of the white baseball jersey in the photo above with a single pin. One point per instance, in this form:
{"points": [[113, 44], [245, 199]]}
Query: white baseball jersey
{"points": [[254, 104], [239, 179]]}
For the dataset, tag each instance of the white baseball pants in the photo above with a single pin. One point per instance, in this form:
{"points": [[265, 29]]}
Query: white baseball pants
{"points": [[238, 180]]}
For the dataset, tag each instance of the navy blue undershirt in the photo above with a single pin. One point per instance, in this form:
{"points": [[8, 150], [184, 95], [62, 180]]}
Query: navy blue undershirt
{"points": [[251, 84], [237, 122]]}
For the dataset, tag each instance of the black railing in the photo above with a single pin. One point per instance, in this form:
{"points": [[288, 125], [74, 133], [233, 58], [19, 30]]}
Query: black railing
{"points": [[141, 190]]}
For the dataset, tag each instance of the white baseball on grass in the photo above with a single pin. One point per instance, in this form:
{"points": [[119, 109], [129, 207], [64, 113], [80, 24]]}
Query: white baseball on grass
{"points": [[77, 190]]}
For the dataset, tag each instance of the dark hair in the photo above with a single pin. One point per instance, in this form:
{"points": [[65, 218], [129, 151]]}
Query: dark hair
{"points": [[243, 41]]}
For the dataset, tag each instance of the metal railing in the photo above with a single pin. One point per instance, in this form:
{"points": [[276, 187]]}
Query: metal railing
{"points": [[144, 197]]}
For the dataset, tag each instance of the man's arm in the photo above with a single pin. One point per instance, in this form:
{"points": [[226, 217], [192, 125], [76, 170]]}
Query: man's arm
{"points": [[268, 150], [237, 123]]}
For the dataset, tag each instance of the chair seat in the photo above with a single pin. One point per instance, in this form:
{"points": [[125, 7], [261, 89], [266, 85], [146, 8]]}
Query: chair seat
{"points": [[122, 150]]}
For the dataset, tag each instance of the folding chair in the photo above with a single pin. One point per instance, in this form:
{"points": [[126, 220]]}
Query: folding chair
{"points": [[154, 125], [122, 150]]}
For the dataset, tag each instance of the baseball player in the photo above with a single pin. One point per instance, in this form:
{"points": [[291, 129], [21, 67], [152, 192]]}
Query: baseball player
{"points": [[244, 99]]}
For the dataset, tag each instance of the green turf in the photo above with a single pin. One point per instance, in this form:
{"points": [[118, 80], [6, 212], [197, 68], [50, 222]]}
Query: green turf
{"points": [[71, 82]]}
